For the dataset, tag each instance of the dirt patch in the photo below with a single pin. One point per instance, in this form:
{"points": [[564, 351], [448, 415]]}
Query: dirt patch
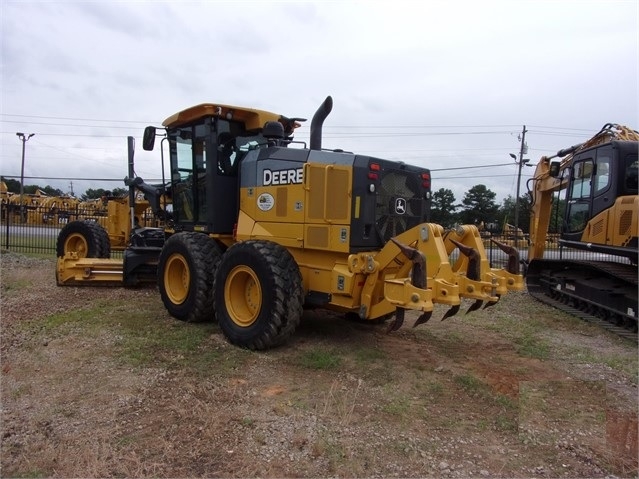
{"points": [[101, 382]]}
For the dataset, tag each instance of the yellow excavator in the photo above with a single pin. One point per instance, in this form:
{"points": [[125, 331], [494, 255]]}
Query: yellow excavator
{"points": [[600, 179], [261, 226]]}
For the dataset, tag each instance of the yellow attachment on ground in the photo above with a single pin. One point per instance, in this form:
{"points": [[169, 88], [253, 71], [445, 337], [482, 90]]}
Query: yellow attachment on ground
{"points": [[387, 274], [482, 280], [74, 269]]}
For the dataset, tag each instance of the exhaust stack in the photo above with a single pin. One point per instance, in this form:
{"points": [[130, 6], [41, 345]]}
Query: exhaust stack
{"points": [[317, 122]]}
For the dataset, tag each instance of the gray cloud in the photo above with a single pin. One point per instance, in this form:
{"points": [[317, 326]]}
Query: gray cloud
{"points": [[418, 64]]}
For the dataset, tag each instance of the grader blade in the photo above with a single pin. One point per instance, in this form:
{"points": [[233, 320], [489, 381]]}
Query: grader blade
{"points": [[475, 306], [423, 318], [399, 320], [451, 312]]}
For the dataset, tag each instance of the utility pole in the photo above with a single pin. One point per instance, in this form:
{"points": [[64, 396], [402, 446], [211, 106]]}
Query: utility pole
{"points": [[24, 138], [521, 163]]}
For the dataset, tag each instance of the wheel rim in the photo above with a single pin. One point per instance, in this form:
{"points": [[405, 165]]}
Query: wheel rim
{"points": [[177, 278], [243, 296], [78, 244]]}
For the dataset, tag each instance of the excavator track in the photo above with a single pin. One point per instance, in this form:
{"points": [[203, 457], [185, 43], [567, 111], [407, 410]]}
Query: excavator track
{"points": [[601, 293]]}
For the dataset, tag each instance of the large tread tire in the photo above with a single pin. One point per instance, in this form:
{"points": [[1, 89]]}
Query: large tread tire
{"points": [[258, 294], [86, 238], [186, 271], [103, 239]]}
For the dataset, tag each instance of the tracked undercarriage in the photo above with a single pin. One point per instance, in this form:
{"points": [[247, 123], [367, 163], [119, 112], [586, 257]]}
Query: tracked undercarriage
{"points": [[603, 293]]}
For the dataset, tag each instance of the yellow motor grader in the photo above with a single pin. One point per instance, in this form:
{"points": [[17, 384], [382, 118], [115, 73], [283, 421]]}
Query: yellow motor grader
{"points": [[262, 226]]}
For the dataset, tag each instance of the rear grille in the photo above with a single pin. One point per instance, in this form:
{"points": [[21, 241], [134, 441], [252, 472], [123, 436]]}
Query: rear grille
{"points": [[400, 203]]}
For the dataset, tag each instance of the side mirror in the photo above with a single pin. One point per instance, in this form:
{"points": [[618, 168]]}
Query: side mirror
{"points": [[554, 169], [148, 140]]}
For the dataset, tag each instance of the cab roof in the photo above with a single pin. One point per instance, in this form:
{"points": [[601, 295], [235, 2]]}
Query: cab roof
{"points": [[253, 119]]}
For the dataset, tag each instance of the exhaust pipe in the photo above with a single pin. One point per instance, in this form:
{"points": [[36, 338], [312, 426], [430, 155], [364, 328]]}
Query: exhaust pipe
{"points": [[317, 122]]}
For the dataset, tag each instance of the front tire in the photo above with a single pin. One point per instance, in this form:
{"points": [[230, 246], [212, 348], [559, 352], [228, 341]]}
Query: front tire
{"points": [[186, 270], [85, 238], [258, 294]]}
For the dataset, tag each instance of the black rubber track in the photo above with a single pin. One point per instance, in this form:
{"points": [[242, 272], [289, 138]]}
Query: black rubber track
{"points": [[282, 294], [202, 255], [95, 236], [540, 287]]}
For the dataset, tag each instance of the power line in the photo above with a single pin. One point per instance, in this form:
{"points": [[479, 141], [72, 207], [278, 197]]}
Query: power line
{"points": [[75, 119], [64, 124], [474, 176], [66, 134], [65, 178], [469, 167]]}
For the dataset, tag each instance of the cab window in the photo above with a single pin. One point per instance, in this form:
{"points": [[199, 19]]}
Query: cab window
{"points": [[582, 175]]}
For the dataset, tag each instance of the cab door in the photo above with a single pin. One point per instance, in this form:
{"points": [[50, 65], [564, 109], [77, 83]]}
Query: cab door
{"points": [[579, 196], [205, 194]]}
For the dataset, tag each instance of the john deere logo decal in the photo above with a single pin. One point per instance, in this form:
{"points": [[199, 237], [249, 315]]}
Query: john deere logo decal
{"points": [[400, 206]]}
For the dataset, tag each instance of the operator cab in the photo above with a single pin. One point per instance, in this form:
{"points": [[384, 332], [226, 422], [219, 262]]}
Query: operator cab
{"points": [[207, 143], [598, 176]]}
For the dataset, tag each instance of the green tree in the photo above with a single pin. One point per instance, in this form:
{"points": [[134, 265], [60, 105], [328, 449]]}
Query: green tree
{"points": [[479, 206], [507, 212], [92, 194], [119, 192], [13, 186], [49, 190], [30, 189], [442, 210]]}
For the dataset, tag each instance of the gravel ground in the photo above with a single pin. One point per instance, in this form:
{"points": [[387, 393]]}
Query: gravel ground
{"points": [[518, 390]]}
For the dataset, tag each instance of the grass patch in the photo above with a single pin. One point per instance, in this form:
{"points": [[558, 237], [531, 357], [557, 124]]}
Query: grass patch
{"points": [[174, 344], [627, 364], [435, 388], [319, 358], [367, 355], [398, 406], [32, 474], [471, 384], [16, 284], [532, 346], [145, 337]]}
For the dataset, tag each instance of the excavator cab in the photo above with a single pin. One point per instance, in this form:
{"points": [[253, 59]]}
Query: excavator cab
{"points": [[598, 177]]}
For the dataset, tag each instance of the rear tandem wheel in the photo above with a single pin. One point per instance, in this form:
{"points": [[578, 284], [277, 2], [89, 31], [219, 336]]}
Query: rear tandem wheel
{"points": [[258, 294]]}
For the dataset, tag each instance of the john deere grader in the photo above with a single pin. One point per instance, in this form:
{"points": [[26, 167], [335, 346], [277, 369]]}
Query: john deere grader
{"points": [[259, 226]]}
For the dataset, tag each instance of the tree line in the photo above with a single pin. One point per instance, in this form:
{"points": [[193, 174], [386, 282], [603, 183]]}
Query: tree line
{"points": [[479, 207], [13, 186]]}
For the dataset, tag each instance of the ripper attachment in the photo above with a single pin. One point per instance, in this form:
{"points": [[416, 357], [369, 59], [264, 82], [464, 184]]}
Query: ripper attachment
{"points": [[418, 279], [513, 256], [473, 272]]}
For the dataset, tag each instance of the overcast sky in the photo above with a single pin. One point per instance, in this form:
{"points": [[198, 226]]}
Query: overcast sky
{"points": [[446, 85]]}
